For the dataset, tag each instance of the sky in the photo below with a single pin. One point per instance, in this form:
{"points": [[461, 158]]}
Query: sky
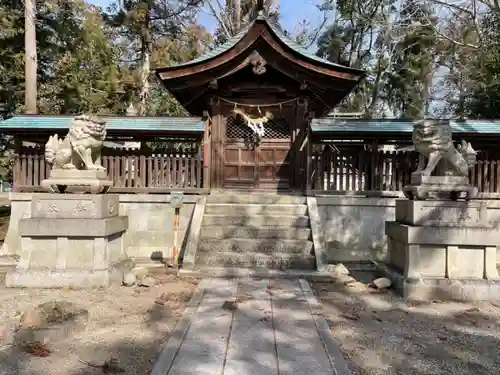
{"points": [[292, 13]]}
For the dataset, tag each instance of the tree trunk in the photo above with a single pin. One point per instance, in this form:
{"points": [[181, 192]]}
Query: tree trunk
{"points": [[30, 59], [144, 82], [237, 15]]}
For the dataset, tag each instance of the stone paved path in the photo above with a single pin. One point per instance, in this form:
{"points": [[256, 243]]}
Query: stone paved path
{"points": [[274, 330]]}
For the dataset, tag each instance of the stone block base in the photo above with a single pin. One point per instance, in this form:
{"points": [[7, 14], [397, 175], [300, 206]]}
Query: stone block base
{"points": [[67, 278], [443, 250], [72, 241], [442, 289]]}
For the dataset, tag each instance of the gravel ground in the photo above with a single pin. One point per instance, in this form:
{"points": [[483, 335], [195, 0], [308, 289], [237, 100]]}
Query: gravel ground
{"points": [[379, 333], [124, 323]]}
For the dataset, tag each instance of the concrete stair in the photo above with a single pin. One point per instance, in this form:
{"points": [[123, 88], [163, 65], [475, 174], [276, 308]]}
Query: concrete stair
{"points": [[256, 231]]}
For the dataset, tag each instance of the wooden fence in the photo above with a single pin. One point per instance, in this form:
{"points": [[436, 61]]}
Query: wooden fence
{"points": [[385, 171], [132, 171]]}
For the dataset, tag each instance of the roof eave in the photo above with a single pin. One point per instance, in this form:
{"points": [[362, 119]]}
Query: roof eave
{"points": [[357, 73]]}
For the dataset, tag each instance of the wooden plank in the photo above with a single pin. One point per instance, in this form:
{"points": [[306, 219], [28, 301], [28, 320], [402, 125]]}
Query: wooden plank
{"points": [[29, 169], [497, 177], [168, 172], [335, 167], [199, 176], [142, 180], [132, 171], [162, 171], [149, 161], [43, 170], [360, 169], [156, 171], [36, 171], [329, 156]]}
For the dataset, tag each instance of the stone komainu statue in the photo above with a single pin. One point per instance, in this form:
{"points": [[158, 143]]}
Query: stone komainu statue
{"points": [[433, 141], [81, 149]]}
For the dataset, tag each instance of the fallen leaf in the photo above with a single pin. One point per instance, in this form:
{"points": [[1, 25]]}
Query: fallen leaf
{"points": [[230, 305], [352, 316], [377, 318], [38, 349]]}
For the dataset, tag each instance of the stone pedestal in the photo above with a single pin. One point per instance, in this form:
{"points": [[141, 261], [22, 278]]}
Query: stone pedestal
{"points": [[452, 187], [71, 240], [92, 181], [443, 250]]}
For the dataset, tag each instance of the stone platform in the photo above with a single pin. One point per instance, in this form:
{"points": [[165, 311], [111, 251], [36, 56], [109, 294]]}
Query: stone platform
{"points": [[71, 240], [277, 328], [443, 250], [93, 181]]}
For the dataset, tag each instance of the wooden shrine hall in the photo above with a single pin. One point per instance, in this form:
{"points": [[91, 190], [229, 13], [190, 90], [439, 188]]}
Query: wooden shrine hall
{"points": [[259, 79], [259, 110]]}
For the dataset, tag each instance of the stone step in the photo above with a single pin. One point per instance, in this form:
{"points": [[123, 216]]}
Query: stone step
{"points": [[224, 232], [255, 209], [281, 221], [256, 199], [264, 246], [254, 260]]}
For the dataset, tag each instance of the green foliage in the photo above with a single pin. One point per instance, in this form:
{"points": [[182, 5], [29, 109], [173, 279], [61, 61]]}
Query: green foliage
{"points": [[483, 98]]}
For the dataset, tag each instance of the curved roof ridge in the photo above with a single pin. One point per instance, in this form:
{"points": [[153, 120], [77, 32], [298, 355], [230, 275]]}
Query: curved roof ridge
{"points": [[279, 33], [214, 52]]}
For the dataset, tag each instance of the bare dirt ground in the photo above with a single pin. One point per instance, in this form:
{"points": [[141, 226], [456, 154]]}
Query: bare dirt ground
{"points": [[380, 333], [130, 324]]}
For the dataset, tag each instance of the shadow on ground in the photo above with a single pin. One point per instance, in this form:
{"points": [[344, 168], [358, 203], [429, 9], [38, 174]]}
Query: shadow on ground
{"points": [[380, 333], [136, 354]]}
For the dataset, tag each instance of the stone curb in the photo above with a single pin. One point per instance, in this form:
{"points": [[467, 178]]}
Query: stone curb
{"points": [[332, 348], [167, 355]]}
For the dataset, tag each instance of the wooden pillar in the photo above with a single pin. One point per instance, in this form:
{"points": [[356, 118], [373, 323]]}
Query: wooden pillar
{"points": [[309, 161], [299, 137], [206, 154], [16, 172], [217, 145]]}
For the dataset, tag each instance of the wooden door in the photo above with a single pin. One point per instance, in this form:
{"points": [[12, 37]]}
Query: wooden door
{"points": [[262, 165]]}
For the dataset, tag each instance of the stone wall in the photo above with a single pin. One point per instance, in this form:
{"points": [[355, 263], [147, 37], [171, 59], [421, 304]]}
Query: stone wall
{"points": [[151, 218], [353, 227]]}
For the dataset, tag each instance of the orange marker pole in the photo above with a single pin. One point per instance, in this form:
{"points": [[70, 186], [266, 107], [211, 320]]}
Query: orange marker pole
{"points": [[176, 236]]}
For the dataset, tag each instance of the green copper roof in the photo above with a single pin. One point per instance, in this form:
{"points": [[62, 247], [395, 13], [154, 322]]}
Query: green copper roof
{"points": [[140, 124], [276, 29], [332, 125]]}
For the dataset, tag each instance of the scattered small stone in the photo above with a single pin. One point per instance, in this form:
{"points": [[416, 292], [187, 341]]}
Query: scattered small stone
{"points": [[139, 272], [382, 283], [7, 333], [338, 270], [51, 312], [160, 302], [129, 279], [108, 367], [147, 282]]}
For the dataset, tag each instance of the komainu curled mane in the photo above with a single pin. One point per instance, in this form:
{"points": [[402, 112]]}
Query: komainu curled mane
{"points": [[433, 141], [81, 148]]}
